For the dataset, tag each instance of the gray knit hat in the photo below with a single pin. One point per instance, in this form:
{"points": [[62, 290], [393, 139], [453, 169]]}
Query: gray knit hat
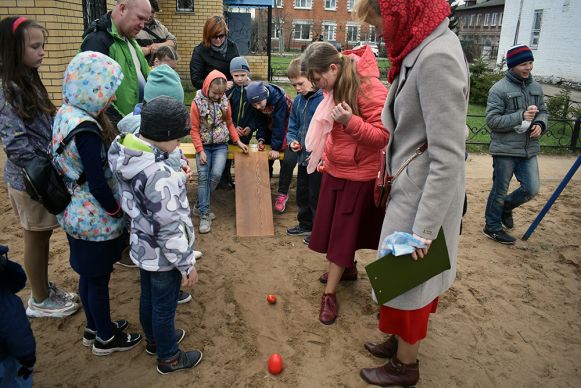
{"points": [[163, 119], [239, 64]]}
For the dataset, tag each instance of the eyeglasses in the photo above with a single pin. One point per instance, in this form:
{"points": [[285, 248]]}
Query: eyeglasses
{"points": [[220, 36]]}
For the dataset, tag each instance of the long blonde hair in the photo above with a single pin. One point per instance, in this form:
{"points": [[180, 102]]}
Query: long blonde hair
{"points": [[319, 56]]}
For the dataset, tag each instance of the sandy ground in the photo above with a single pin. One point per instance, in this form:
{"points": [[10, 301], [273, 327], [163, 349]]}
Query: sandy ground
{"points": [[512, 318]]}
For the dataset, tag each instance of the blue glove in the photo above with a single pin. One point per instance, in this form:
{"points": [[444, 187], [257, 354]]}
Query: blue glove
{"points": [[399, 243]]}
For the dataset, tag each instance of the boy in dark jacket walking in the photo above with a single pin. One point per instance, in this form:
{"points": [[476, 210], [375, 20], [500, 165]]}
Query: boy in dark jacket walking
{"points": [[517, 117]]}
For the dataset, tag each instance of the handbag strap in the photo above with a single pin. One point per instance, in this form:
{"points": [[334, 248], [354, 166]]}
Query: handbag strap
{"points": [[420, 150]]}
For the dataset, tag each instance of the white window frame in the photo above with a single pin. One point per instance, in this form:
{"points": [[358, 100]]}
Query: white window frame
{"points": [[302, 23], [278, 3], [184, 9], [325, 33], [536, 28], [477, 20], [500, 19], [350, 4], [471, 23], [372, 29], [493, 19], [486, 20], [305, 4], [357, 29], [332, 5], [275, 33]]}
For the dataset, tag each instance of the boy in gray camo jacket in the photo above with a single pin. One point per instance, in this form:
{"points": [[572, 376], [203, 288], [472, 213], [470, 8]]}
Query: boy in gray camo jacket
{"points": [[153, 194]]}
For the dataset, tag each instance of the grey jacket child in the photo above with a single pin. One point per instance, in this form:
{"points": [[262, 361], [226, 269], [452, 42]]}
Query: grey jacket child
{"points": [[153, 194], [507, 100]]}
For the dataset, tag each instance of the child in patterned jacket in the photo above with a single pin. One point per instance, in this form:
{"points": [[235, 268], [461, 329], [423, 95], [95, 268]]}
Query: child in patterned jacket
{"points": [[153, 194]]}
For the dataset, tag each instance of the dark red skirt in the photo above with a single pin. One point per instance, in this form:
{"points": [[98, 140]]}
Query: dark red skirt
{"points": [[346, 220], [410, 325]]}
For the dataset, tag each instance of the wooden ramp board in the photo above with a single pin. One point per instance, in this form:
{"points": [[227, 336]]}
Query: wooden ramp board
{"points": [[189, 150], [253, 199]]}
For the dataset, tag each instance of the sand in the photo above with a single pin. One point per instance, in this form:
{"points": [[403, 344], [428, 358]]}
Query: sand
{"points": [[511, 319]]}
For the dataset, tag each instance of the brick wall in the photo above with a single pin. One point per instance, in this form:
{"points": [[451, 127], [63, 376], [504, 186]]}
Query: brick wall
{"points": [[64, 21], [318, 16], [258, 66]]}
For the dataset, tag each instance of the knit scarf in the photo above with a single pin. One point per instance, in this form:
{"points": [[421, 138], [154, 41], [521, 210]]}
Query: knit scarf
{"points": [[406, 23], [221, 49]]}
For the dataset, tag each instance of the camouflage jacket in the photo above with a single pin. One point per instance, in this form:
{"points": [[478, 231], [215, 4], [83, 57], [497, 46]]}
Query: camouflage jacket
{"points": [[153, 195]]}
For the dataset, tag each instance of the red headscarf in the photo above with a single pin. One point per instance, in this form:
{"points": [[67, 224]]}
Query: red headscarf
{"points": [[406, 23]]}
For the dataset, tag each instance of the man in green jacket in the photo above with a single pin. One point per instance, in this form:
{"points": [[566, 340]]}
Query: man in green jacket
{"points": [[517, 117], [114, 35]]}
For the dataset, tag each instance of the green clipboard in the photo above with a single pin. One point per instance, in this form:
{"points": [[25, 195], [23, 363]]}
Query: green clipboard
{"points": [[391, 276]]}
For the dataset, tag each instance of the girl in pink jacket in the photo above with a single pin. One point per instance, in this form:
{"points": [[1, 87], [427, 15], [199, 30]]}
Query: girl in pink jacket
{"points": [[348, 140]]}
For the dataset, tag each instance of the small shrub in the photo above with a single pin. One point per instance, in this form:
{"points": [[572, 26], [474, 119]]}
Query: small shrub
{"points": [[481, 80], [561, 107]]}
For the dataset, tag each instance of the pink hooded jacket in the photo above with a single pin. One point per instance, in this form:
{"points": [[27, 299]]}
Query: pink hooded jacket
{"points": [[353, 151]]}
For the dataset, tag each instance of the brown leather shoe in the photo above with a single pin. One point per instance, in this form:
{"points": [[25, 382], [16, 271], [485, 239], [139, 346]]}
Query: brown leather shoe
{"points": [[350, 274], [387, 349], [392, 373], [329, 306]]}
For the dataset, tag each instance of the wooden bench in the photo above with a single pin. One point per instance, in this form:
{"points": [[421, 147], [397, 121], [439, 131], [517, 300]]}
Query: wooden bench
{"points": [[189, 150]]}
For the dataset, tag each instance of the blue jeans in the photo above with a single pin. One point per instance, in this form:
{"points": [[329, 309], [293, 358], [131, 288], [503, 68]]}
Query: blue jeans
{"points": [[526, 172], [209, 174], [157, 310]]}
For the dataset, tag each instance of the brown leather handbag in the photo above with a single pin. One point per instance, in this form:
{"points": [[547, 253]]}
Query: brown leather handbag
{"points": [[384, 180]]}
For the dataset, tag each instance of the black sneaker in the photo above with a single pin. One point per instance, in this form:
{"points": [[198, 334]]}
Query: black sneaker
{"points": [[507, 219], [151, 348], [307, 240], [120, 342], [499, 236], [181, 361], [298, 231], [89, 335], [184, 297]]}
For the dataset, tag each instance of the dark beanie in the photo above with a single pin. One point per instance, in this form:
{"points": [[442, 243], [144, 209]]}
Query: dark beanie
{"points": [[256, 92], [517, 55], [163, 119]]}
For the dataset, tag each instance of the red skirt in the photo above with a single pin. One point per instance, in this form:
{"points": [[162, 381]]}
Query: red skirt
{"points": [[346, 220], [410, 325]]}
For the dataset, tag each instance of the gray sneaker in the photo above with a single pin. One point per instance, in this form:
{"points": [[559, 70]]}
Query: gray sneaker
{"points": [[61, 293], [196, 212], [52, 307], [205, 224]]}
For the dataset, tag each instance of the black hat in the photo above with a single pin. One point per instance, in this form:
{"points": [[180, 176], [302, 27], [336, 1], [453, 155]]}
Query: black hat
{"points": [[163, 119]]}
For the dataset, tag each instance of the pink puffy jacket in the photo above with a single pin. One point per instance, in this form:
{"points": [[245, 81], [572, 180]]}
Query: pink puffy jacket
{"points": [[353, 151]]}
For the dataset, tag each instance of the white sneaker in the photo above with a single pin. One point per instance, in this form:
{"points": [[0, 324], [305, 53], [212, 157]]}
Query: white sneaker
{"points": [[205, 224], [52, 307], [196, 212], [197, 255], [61, 293]]}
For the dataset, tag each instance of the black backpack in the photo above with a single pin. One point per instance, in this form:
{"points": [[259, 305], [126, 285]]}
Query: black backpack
{"points": [[44, 182]]}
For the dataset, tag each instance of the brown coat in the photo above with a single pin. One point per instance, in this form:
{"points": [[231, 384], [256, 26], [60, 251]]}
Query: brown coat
{"points": [[427, 103]]}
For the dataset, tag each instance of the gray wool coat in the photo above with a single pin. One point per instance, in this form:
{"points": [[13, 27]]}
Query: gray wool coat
{"points": [[427, 103]]}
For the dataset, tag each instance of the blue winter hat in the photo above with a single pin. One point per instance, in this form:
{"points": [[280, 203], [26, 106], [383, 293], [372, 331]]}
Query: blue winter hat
{"points": [[518, 54], [163, 81], [256, 91], [239, 64]]}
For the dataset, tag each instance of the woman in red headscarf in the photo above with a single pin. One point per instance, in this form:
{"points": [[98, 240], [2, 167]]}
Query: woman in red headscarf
{"points": [[426, 105]]}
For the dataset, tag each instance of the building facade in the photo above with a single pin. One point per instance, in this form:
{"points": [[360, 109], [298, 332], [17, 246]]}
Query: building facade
{"points": [[479, 27], [551, 28], [296, 23]]}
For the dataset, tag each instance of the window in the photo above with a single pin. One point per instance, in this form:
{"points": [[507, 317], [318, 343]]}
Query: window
{"points": [[486, 18], [275, 33], [352, 33], [278, 3], [306, 4], [302, 31], [372, 36], [493, 20], [500, 20], [185, 5], [536, 33], [329, 30], [331, 4], [350, 5], [477, 20], [471, 23]]}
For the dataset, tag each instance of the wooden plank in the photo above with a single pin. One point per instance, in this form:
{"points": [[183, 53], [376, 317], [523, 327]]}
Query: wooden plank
{"points": [[189, 150], [253, 199]]}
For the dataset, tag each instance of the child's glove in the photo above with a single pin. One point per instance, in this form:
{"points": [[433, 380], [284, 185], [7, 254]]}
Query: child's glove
{"points": [[399, 243]]}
